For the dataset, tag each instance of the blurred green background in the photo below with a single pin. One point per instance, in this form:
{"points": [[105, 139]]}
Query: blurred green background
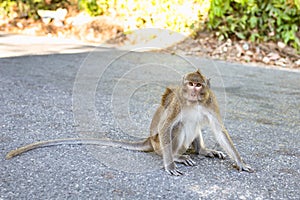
{"points": [[254, 20]]}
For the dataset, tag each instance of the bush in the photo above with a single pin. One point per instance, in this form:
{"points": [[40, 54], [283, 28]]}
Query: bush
{"points": [[7, 8], [29, 8], [95, 7], [177, 15], [256, 20]]}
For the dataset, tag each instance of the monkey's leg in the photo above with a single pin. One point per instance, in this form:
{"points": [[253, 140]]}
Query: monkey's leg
{"points": [[179, 148], [200, 148]]}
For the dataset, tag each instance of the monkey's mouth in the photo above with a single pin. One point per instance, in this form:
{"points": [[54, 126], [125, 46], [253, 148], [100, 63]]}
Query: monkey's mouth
{"points": [[193, 98]]}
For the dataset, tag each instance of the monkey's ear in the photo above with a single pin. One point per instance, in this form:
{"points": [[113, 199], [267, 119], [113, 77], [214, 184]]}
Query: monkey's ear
{"points": [[208, 82], [183, 78]]}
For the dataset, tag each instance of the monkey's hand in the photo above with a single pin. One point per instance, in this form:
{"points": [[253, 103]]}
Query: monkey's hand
{"points": [[241, 166], [172, 170]]}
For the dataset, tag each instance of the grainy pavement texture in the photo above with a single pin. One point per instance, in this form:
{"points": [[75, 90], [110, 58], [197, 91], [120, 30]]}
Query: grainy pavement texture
{"points": [[61, 88]]}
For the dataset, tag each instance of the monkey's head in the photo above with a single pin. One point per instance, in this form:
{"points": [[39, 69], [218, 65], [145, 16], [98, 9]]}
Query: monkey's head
{"points": [[195, 87]]}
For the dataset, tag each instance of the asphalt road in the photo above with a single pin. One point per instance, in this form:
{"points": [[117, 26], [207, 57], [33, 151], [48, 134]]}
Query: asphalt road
{"points": [[58, 88]]}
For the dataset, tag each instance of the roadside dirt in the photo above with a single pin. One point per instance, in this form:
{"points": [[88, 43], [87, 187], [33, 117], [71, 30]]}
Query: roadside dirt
{"points": [[269, 53]]}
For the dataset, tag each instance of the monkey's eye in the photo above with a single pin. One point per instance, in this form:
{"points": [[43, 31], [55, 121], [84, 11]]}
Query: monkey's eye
{"points": [[198, 85], [191, 84]]}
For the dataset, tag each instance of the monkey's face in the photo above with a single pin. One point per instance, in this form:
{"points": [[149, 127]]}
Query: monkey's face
{"points": [[195, 91], [195, 87]]}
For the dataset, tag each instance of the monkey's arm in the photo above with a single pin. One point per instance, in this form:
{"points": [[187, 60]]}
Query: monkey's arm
{"points": [[226, 143], [167, 139], [167, 150]]}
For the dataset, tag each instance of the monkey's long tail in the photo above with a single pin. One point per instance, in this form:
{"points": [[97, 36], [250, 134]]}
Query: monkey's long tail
{"points": [[144, 145]]}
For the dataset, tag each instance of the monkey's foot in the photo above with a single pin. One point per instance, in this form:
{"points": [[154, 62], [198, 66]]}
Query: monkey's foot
{"points": [[212, 153], [172, 170], [243, 167], [185, 159]]}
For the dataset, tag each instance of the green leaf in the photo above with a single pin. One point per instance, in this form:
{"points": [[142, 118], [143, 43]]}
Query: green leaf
{"points": [[254, 36], [240, 35], [253, 21], [285, 17]]}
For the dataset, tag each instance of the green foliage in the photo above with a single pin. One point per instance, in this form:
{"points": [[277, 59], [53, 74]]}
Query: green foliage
{"points": [[7, 8], [184, 16], [256, 20], [95, 7], [177, 15], [28, 8]]}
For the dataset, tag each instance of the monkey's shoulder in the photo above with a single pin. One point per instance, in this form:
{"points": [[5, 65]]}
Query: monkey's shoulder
{"points": [[211, 102], [168, 96]]}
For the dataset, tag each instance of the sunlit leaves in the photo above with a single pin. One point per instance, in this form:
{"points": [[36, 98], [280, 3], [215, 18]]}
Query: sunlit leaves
{"points": [[256, 20]]}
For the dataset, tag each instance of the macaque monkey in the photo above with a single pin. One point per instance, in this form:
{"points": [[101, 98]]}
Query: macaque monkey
{"points": [[176, 125]]}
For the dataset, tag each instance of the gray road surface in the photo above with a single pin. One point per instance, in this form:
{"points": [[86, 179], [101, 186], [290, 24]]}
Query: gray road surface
{"points": [[55, 88]]}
